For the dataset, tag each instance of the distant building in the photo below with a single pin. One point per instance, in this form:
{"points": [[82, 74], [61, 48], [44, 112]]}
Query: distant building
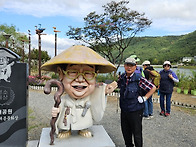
{"points": [[187, 59], [194, 58]]}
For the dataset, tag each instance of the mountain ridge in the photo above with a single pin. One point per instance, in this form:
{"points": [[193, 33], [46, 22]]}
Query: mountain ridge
{"points": [[159, 49]]}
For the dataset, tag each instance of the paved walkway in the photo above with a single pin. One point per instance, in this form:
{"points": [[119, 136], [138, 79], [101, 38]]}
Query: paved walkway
{"points": [[178, 130]]}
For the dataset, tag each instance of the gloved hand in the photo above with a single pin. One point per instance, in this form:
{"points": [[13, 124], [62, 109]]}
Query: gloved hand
{"points": [[141, 99]]}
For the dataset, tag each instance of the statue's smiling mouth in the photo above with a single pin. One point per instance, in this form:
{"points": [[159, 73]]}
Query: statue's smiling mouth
{"points": [[79, 87]]}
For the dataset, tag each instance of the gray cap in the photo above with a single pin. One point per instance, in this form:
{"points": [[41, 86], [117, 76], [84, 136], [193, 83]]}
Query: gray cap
{"points": [[130, 61]]}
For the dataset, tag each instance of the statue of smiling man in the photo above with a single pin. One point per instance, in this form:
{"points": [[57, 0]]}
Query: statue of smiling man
{"points": [[84, 101]]}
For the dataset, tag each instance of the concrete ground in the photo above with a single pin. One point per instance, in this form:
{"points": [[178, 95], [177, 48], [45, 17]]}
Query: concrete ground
{"points": [[177, 130]]}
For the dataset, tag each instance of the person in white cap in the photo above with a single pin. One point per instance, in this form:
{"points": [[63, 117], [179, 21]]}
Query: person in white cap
{"points": [[148, 110], [168, 77], [132, 86]]}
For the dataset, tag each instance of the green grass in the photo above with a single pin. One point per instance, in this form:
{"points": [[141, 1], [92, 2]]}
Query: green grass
{"points": [[32, 127], [190, 111]]}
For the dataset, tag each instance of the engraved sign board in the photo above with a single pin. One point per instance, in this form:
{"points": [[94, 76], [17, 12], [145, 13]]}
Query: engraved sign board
{"points": [[13, 100]]}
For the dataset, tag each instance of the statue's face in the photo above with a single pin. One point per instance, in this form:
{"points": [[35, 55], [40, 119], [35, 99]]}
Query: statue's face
{"points": [[79, 80], [3, 62]]}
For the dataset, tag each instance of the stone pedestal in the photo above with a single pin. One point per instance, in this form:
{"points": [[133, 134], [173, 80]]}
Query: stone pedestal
{"points": [[100, 139]]}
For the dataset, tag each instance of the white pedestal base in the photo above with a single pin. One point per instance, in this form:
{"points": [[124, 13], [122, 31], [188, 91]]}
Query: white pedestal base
{"points": [[100, 139]]}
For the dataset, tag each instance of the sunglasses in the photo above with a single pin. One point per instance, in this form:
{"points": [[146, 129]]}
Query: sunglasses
{"points": [[167, 65], [130, 64]]}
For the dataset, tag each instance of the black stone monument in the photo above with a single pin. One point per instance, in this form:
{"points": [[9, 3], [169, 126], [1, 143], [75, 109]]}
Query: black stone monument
{"points": [[13, 100]]}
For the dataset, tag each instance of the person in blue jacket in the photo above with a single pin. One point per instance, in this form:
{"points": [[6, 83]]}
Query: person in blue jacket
{"points": [[134, 91], [168, 77], [138, 69]]}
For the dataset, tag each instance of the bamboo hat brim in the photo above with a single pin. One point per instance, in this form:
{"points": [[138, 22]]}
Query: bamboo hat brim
{"points": [[79, 55]]}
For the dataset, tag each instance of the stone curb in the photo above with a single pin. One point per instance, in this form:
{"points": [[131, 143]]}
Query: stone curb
{"points": [[175, 103]]}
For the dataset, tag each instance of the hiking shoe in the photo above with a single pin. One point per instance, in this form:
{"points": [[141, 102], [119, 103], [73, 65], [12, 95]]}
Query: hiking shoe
{"points": [[167, 114], [146, 117], [162, 113], [151, 116]]}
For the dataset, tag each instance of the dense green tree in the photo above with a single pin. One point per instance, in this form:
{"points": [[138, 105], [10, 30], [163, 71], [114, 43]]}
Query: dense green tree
{"points": [[15, 41], [35, 55], [172, 48], [111, 31]]}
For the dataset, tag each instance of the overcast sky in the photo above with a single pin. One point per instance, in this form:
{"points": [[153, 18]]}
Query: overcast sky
{"points": [[169, 17]]}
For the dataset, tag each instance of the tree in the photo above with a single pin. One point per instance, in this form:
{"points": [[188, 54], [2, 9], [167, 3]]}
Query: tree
{"points": [[44, 55], [111, 31], [14, 43]]}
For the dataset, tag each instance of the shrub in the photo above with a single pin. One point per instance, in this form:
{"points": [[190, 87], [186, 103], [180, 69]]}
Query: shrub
{"points": [[55, 76], [35, 80], [105, 78]]}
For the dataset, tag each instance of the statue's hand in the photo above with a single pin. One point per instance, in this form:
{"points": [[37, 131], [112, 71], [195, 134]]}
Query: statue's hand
{"points": [[111, 87], [55, 111]]}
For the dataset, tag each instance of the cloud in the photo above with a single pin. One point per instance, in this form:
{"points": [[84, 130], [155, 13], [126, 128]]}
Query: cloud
{"points": [[159, 9], [48, 43], [166, 15], [43, 8], [156, 9]]}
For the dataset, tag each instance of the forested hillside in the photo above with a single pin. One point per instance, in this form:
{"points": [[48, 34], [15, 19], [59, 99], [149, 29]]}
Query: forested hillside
{"points": [[159, 49]]}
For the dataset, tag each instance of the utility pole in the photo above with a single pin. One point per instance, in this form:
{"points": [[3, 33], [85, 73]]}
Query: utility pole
{"points": [[39, 33], [55, 40], [40, 53], [29, 52], [7, 36], [13, 45], [23, 52]]}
